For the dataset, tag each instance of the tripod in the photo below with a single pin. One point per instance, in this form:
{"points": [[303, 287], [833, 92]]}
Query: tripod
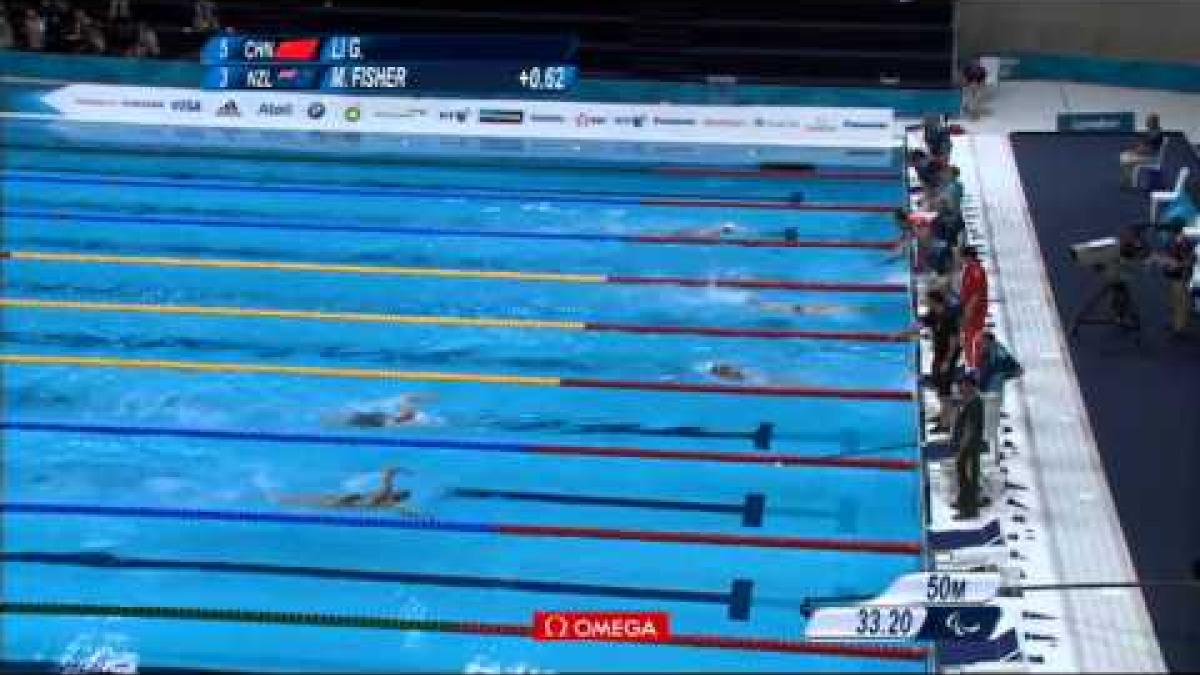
{"points": [[1111, 305]]}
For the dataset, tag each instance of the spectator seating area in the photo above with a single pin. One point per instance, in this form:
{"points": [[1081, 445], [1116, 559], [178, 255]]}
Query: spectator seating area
{"points": [[816, 42], [98, 27]]}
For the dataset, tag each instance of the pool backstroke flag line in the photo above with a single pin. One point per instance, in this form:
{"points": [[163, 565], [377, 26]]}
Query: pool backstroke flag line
{"points": [[628, 122]]}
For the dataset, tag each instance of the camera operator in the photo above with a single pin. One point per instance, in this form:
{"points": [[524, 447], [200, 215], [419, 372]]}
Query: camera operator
{"points": [[1179, 266]]}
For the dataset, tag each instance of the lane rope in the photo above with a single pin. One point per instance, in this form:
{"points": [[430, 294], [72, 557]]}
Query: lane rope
{"points": [[741, 590], [434, 272], [759, 172], [425, 523], [474, 322], [462, 378], [891, 653], [433, 192], [309, 315], [239, 223], [345, 440]]}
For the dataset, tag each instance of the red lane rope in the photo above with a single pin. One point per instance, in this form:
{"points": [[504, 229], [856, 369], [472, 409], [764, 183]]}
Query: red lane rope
{"points": [[700, 388], [850, 336], [808, 174], [732, 457], [718, 539], [766, 243], [425, 524], [776, 284], [769, 204], [793, 647], [323, 620]]}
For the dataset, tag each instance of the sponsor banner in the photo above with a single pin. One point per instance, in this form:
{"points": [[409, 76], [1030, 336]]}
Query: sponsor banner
{"points": [[316, 110], [144, 104], [498, 116], [273, 109], [602, 626], [766, 126], [320, 142], [663, 121], [95, 102], [401, 113], [1117, 122], [725, 122], [187, 105]]}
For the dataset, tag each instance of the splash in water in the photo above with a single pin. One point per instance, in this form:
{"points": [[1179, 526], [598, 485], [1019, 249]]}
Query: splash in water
{"points": [[483, 664], [99, 653]]}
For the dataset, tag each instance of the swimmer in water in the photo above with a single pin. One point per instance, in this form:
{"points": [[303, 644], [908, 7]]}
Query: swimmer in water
{"points": [[386, 497], [405, 413], [725, 229], [726, 371], [805, 309]]}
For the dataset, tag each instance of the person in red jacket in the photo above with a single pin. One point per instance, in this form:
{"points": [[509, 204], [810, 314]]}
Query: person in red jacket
{"points": [[973, 294]]}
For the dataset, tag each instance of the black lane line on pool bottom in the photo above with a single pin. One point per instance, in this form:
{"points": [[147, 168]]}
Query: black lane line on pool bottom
{"points": [[737, 600], [751, 509], [761, 436]]}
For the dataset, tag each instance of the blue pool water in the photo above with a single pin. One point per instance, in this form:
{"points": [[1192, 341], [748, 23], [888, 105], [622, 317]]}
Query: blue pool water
{"points": [[131, 202]]}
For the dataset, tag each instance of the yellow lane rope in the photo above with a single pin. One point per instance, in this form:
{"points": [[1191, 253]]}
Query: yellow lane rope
{"points": [[325, 268], [354, 317], [216, 367]]}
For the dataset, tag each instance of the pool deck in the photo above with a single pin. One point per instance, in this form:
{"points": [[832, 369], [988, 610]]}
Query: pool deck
{"points": [[1051, 497]]}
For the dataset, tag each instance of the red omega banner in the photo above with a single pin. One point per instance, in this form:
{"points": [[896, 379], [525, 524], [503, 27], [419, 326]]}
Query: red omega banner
{"points": [[602, 626]]}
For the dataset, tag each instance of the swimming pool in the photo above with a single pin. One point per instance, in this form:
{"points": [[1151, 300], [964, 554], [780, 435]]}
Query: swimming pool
{"points": [[186, 335]]}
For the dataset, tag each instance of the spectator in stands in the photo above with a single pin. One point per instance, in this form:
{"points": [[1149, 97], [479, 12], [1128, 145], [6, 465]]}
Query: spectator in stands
{"points": [[1145, 151], [146, 45], [1179, 267], [123, 37], [968, 442], [974, 76], [55, 15], [77, 28], [94, 39], [35, 30], [7, 39], [118, 9], [204, 16]]}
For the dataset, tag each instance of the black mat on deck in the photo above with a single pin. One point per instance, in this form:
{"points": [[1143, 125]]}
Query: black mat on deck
{"points": [[1144, 402]]}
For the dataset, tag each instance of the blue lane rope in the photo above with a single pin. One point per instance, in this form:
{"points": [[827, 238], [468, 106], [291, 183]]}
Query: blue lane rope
{"points": [[112, 561], [323, 439], [398, 523], [433, 192], [238, 223]]}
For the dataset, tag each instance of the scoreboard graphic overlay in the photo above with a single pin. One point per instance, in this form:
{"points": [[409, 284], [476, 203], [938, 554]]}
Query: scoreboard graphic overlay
{"points": [[372, 64]]}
